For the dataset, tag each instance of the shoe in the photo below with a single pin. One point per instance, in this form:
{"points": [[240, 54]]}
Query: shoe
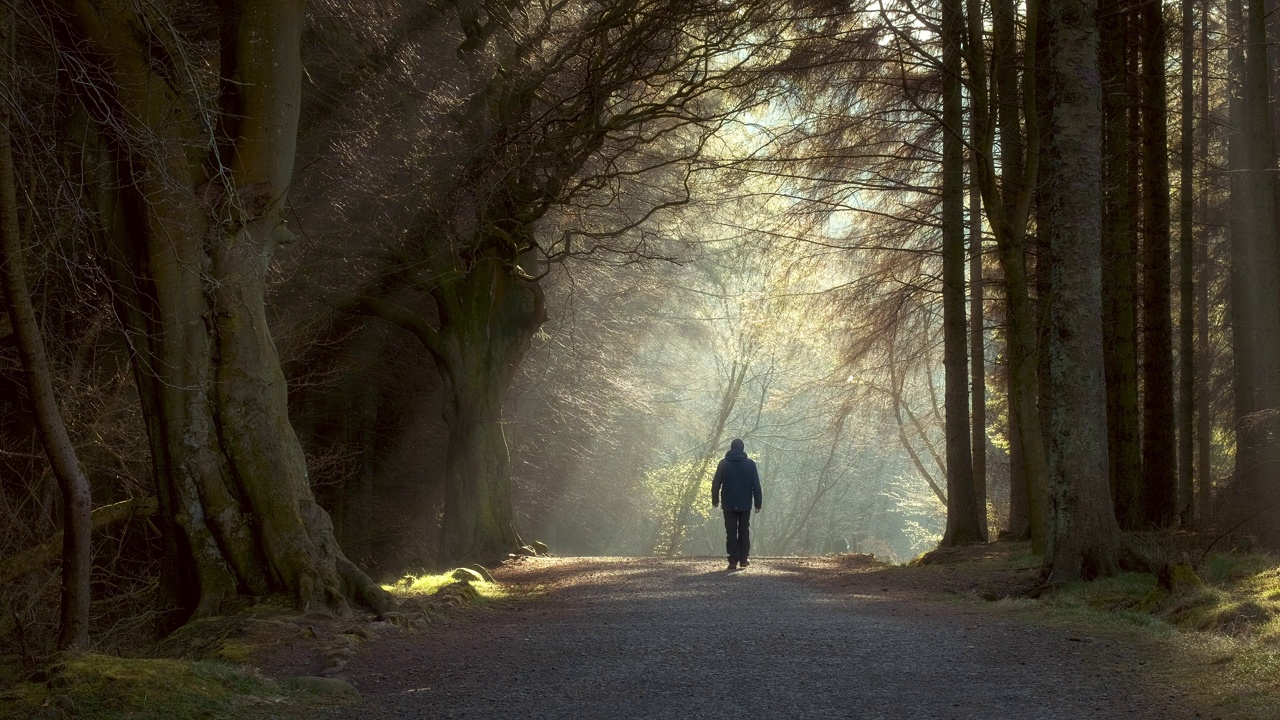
{"points": [[743, 562], [733, 565]]}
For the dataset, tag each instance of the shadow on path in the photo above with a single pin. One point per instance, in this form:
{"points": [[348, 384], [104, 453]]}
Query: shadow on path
{"points": [[655, 638]]}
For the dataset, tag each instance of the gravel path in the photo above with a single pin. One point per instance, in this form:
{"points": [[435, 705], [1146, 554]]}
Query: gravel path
{"points": [[652, 638]]}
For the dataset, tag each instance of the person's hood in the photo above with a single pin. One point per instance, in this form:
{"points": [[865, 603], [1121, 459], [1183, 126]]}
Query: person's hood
{"points": [[735, 456]]}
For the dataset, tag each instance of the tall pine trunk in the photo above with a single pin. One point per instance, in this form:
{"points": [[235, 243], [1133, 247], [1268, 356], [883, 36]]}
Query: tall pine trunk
{"points": [[963, 525], [1186, 286], [977, 355], [1204, 439], [1084, 539], [1018, 524], [1007, 199], [1023, 392], [1120, 351], [1159, 451]]}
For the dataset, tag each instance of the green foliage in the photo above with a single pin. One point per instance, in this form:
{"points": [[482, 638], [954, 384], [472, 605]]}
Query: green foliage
{"points": [[672, 485], [682, 490], [92, 686]]}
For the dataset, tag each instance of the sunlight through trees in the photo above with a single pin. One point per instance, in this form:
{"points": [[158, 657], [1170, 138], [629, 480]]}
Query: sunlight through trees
{"points": [[348, 288]]}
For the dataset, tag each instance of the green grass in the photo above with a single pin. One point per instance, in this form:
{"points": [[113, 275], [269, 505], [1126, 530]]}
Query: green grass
{"points": [[1218, 639], [201, 671], [1235, 596], [101, 687]]}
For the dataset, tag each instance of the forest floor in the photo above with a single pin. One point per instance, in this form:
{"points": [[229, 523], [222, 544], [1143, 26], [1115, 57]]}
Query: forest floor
{"points": [[838, 637]]}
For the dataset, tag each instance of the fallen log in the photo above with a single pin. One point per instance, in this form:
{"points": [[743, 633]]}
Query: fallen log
{"points": [[34, 558]]}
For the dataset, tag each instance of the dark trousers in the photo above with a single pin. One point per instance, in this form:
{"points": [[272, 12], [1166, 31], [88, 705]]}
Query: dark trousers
{"points": [[737, 530]]}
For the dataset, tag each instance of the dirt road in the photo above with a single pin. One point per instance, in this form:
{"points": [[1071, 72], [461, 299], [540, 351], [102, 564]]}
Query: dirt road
{"points": [[652, 638]]}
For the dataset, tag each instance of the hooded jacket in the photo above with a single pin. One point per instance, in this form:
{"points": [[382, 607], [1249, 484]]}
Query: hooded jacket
{"points": [[736, 483]]}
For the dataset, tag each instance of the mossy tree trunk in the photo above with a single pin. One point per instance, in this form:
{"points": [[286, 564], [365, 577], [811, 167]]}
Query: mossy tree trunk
{"points": [[487, 319], [195, 224], [487, 313]]}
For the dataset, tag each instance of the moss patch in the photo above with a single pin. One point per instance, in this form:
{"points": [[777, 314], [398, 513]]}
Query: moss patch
{"points": [[1235, 596], [419, 586], [234, 639], [91, 686], [1212, 629]]}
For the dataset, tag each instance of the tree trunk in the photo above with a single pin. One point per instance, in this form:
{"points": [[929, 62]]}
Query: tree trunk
{"points": [[1159, 448], [1255, 288], [1186, 288], [977, 353], [73, 630], [1007, 202], [1018, 526], [1084, 539], [1204, 439], [487, 315], [1120, 353], [1271, 10], [1023, 394], [487, 320], [963, 525], [192, 253]]}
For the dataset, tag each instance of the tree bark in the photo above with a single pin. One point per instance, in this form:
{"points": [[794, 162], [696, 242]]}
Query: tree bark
{"points": [[487, 320], [1186, 286], [487, 316], [977, 353], [1120, 352], [1204, 439], [963, 525], [1019, 521], [1271, 11], [1159, 448], [196, 221], [1084, 539], [73, 631]]}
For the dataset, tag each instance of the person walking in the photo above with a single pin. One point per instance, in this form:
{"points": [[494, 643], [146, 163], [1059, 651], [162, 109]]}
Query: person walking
{"points": [[735, 486]]}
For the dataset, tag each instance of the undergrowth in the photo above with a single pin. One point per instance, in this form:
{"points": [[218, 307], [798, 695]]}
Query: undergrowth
{"points": [[1212, 629], [1232, 595], [204, 670]]}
